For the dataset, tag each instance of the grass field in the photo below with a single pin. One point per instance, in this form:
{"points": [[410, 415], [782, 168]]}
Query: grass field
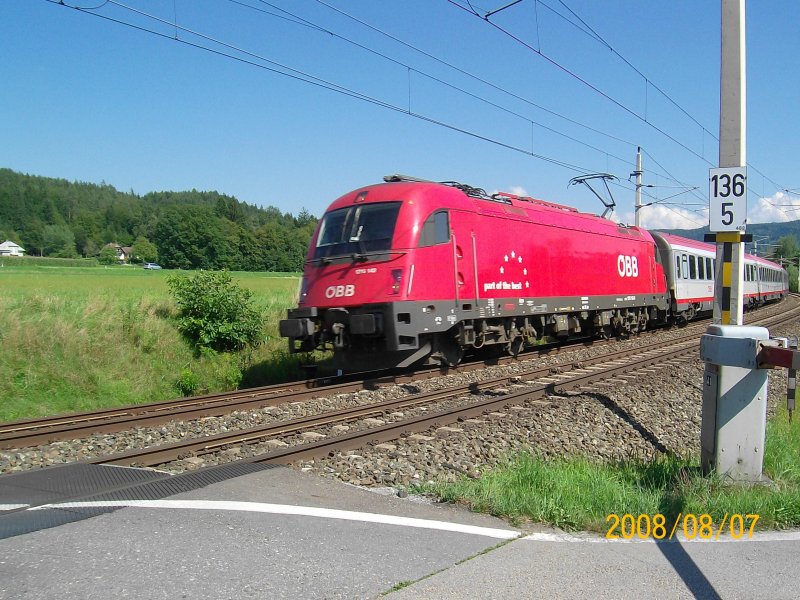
{"points": [[76, 338]]}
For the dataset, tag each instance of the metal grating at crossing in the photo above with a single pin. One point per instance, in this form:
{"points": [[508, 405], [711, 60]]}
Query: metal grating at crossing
{"points": [[79, 482]]}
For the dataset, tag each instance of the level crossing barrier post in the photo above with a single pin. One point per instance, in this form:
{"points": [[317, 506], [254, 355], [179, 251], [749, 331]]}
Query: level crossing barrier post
{"points": [[733, 428], [734, 416]]}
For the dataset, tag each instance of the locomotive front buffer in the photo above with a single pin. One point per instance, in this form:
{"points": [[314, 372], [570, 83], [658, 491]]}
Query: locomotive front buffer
{"points": [[734, 413]]}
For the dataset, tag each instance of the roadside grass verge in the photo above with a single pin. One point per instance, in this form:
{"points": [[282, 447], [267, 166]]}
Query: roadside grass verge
{"points": [[578, 494]]}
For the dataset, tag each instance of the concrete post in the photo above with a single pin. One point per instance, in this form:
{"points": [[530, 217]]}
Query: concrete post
{"points": [[733, 427]]}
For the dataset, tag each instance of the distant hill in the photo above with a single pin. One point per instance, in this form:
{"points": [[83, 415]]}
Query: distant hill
{"points": [[189, 230]]}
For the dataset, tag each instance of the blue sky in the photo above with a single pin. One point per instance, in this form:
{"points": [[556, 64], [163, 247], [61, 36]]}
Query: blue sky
{"points": [[85, 98]]}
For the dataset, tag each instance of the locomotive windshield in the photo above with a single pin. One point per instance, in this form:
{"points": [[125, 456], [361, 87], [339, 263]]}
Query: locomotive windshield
{"points": [[359, 230]]}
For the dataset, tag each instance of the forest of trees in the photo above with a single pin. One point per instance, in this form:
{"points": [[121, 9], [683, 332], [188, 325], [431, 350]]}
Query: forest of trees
{"points": [[187, 230]]}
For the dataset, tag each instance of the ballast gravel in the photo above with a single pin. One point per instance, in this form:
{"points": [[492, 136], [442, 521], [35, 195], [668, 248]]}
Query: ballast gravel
{"points": [[655, 411]]}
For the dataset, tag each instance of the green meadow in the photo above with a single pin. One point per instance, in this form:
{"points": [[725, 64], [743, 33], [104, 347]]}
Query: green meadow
{"points": [[75, 338]]}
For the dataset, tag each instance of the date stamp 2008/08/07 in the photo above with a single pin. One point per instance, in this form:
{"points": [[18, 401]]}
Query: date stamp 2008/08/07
{"points": [[645, 526]]}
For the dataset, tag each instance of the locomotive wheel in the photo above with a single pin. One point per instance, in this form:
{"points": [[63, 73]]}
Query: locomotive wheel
{"points": [[450, 351], [516, 345]]}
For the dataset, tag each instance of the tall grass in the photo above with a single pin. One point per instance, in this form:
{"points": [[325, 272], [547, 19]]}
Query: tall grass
{"points": [[75, 339]]}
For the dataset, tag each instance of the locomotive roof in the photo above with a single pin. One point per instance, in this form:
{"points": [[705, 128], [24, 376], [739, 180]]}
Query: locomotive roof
{"points": [[460, 196]]}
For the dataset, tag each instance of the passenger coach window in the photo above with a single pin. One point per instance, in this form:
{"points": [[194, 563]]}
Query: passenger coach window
{"points": [[692, 267], [709, 268], [701, 268], [435, 230]]}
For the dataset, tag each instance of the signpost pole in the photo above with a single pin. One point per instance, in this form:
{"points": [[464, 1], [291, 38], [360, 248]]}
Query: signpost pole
{"points": [[734, 390], [728, 183]]}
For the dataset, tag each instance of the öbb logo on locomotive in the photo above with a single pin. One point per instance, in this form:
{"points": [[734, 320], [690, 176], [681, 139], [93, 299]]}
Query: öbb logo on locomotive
{"points": [[340, 291], [627, 266], [446, 268]]}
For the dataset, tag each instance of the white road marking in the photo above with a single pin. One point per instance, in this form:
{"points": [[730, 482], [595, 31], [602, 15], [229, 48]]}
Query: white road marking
{"points": [[365, 517], [288, 509]]}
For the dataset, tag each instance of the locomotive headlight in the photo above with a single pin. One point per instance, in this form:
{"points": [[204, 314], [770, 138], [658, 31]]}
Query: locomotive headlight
{"points": [[397, 280], [302, 288]]}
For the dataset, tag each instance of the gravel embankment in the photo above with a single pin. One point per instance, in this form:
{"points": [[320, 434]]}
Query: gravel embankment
{"points": [[649, 414]]}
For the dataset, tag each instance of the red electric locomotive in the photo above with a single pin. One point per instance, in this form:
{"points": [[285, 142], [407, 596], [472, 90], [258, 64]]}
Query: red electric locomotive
{"points": [[410, 270]]}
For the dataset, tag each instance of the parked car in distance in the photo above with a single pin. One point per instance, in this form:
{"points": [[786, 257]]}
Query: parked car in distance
{"points": [[153, 266]]}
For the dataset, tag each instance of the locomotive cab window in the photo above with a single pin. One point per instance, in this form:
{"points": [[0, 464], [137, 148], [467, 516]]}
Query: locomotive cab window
{"points": [[435, 230], [357, 230]]}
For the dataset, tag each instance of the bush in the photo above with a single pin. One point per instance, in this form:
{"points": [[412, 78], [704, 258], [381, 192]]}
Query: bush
{"points": [[108, 256], [214, 312], [187, 383]]}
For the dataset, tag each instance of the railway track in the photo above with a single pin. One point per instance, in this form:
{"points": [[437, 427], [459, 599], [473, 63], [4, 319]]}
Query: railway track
{"points": [[33, 432], [464, 402], [475, 399], [288, 441]]}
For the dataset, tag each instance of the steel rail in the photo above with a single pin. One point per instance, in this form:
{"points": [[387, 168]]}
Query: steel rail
{"points": [[392, 431], [549, 382]]}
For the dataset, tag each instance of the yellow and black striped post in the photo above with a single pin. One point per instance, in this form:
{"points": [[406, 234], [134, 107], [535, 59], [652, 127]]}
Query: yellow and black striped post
{"points": [[729, 280]]}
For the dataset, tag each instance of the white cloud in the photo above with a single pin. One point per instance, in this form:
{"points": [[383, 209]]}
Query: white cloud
{"points": [[778, 208], [666, 217], [517, 190]]}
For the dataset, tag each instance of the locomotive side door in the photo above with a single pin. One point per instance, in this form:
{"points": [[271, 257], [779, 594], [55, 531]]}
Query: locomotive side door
{"points": [[433, 272], [464, 249]]}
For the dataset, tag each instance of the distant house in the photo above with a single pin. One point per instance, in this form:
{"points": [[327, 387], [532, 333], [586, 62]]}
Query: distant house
{"points": [[9, 248], [124, 253]]}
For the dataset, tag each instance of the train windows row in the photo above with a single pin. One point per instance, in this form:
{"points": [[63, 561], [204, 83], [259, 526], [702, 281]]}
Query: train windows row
{"points": [[689, 266], [764, 274], [770, 275]]}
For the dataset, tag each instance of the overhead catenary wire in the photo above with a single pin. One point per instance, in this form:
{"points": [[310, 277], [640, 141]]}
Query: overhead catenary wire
{"points": [[410, 69], [304, 77], [582, 80], [308, 23], [482, 80], [330, 85], [588, 30]]}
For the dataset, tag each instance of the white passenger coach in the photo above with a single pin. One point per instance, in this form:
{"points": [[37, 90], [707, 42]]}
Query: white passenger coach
{"points": [[689, 268]]}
